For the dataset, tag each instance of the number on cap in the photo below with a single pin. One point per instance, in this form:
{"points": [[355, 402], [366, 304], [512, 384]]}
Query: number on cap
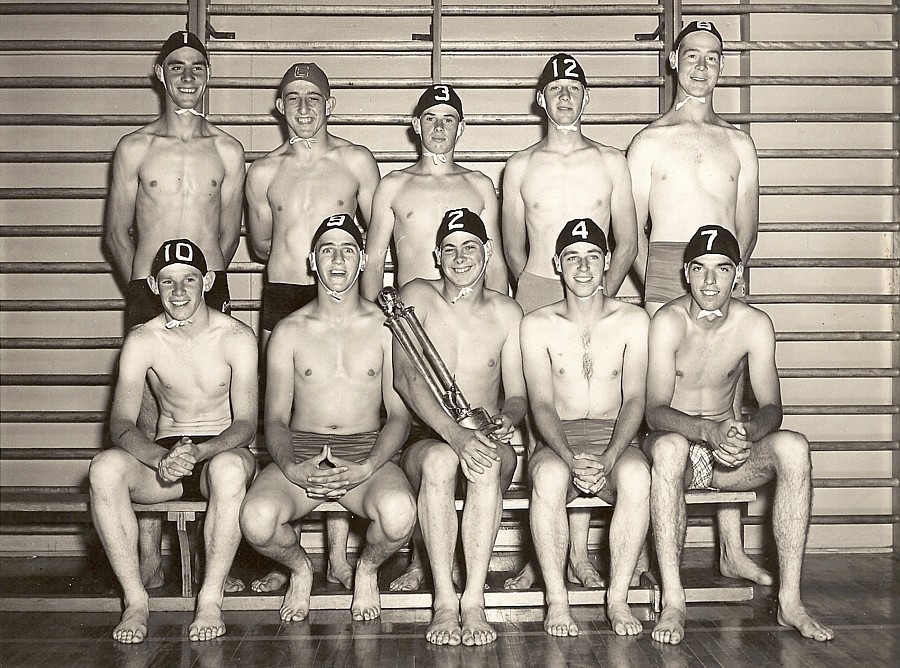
{"points": [[335, 221], [569, 71], [183, 252], [712, 237], [706, 25], [454, 219], [444, 95], [581, 230]]}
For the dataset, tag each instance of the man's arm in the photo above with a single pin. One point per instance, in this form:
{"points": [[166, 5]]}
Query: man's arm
{"points": [[515, 402], [746, 214], [232, 198], [369, 176], [134, 362], [763, 378], [513, 216], [280, 396], [539, 379], [639, 168], [259, 211], [241, 355], [623, 223], [120, 205], [634, 386], [378, 238], [396, 428], [495, 277]]}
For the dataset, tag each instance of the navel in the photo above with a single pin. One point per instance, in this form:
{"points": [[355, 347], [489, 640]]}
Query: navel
{"points": [[340, 202], [215, 183], [679, 373]]}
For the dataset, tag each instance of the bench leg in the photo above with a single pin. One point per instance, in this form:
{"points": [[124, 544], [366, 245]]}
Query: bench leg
{"points": [[649, 581], [184, 548]]}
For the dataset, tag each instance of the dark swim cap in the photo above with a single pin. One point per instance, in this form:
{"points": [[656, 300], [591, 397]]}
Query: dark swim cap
{"points": [[561, 66], [697, 26], [178, 251], [178, 40], [306, 72], [438, 94], [712, 240], [581, 230], [339, 221], [460, 220]]}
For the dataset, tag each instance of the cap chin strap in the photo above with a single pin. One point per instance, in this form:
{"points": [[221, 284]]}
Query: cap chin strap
{"points": [[590, 296], [337, 294], [679, 105], [469, 289], [309, 142], [181, 112], [435, 157], [172, 324], [573, 127], [709, 314]]}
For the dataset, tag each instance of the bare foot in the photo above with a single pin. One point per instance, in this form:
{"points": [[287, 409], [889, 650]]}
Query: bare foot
{"points": [[559, 621], [411, 579], [233, 585], [584, 573], [475, 629], [153, 579], [742, 567], [524, 579], [133, 626], [621, 620], [798, 617], [208, 624], [444, 628], [340, 572], [295, 606], [670, 627], [273, 581], [366, 603]]}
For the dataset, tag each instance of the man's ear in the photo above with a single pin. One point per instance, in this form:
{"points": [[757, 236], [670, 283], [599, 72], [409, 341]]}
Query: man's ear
{"points": [[329, 106], [673, 60], [488, 250], [587, 96], [312, 261], [539, 97], [606, 264], [437, 257], [417, 126], [208, 279], [158, 70], [154, 286], [460, 129], [557, 264], [363, 258], [279, 105]]}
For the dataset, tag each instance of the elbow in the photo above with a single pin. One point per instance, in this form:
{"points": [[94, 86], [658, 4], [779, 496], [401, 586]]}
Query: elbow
{"points": [[652, 415]]}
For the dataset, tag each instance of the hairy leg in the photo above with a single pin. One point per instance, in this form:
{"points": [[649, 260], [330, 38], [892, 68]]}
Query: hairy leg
{"points": [[150, 549], [337, 526], [580, 570]]}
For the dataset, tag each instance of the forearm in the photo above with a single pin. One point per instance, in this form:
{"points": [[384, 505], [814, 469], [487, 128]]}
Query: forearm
{"points": [[628, 423], [373, 277], [121, 248], [390, 439], [279, 443], [495, 278], [665, 418], [550, 428], [516, 259], [622, 259], [240, 434], [228, 244], [640, 260], [418, 396], [131, 439], [514, 408], [766, 420]]}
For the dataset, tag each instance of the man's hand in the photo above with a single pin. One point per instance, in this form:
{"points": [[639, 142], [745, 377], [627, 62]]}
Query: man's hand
{"points": [[590, 470], [505, 427], [476, 452], [337, 481], [179, 462], [300, 473], [729, 443]]}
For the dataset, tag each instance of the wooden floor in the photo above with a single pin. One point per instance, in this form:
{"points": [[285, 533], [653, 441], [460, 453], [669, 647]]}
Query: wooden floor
{"points": [[857, 595]]}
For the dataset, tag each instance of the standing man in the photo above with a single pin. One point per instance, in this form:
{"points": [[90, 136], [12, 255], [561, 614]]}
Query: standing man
{"points": [[289, 191], [201, 367], [179, 176], [409, 203], [690, 168], [699, 346], [330, 373], [585, 362], [476, 333]]}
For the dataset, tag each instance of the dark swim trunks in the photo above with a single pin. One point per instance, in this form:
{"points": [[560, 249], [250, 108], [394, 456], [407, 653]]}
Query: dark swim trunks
{"points": [[141, 305], [190, 485], [279, 300], [534, 292], [353, 447]]}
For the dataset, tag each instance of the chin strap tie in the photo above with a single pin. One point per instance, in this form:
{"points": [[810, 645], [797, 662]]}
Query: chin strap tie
{"points": [[679, 105], [309, 142], [181, 112], [709, 314], [172, 324], [337, 294], [435, 157], [469, 289], [573, 127], [590, 296]]}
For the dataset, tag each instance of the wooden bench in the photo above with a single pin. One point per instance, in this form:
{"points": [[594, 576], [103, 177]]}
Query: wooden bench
{"points": [[516, 499]]}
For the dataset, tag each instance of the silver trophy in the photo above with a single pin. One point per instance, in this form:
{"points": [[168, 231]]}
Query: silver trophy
{"points": [[429, 363]]}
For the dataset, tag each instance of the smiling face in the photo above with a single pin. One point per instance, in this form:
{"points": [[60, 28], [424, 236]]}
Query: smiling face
{"points": [[698, 62], [462, 258], [439, 127], [711, 279], [582, 266], [305, 108], [180, 288], [563, 100], [185, 74], [338, 260]]}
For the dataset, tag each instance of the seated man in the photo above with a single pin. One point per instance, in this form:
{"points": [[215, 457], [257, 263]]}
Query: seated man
{"points": [[329, 371], [585, 362], [700, 345], [476, 333], [201, 367]]}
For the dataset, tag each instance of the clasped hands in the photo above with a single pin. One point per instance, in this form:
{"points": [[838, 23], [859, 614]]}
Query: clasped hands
{"points": [[327, 476], [728, 443], [589, 471], [179, 462]]}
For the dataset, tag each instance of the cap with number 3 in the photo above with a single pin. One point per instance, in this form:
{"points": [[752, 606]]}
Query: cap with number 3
{"points": [[578, 230], [438, 94]]}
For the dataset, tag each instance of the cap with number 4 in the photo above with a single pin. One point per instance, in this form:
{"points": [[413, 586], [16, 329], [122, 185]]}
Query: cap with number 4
{"points": [[578, 230], [712, 240], [460, 220], [339, 221]]}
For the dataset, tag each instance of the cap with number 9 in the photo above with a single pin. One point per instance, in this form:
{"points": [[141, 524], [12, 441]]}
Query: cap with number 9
{"points": [[339, 221], [712, 240], [578, 230], [460, 220]]}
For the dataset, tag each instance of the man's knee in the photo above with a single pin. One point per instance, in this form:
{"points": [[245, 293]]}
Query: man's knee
{"points": [[260, 517], [439, 463], [108, 468], [228, 473], [631, 477], [549, 474], [396, 514], [668, 453], [791, 452]]}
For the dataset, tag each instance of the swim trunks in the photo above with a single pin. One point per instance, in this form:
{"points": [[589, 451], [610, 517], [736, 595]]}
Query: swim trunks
{"points": [[588, 435], [665, 274], [534, 292], [279, 300], [141, 305], [190, 484], [700, 456], [352, 447]]}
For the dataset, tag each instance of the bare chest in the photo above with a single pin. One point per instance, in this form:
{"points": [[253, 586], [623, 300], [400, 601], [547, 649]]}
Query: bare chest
{"points": [[312, 191], [568, 187], [585, 356], [339, 357], [182, 168]]}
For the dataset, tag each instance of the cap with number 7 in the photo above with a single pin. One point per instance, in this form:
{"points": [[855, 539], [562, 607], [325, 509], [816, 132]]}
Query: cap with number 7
{"points": [[578, 230], [712, 240]]}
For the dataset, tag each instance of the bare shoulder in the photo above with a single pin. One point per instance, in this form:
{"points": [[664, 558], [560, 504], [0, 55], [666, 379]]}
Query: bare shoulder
{"points": [[672, 316], [542, 319], [352, 154], [135, 145], [228, 146], [520, 159], [392, 182], [753, 321], [631, 315], [265, 168], [420, 290], [232, 327], [507, 307]]}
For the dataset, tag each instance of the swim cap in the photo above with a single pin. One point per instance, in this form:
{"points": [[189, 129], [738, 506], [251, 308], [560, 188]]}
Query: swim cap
{"points": [[438, 94], [306, 72], [712, 240], [697, 26], [178, 251], [561, 66], [339, 221], [460, 220], [578, 230], [178, 40]]}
